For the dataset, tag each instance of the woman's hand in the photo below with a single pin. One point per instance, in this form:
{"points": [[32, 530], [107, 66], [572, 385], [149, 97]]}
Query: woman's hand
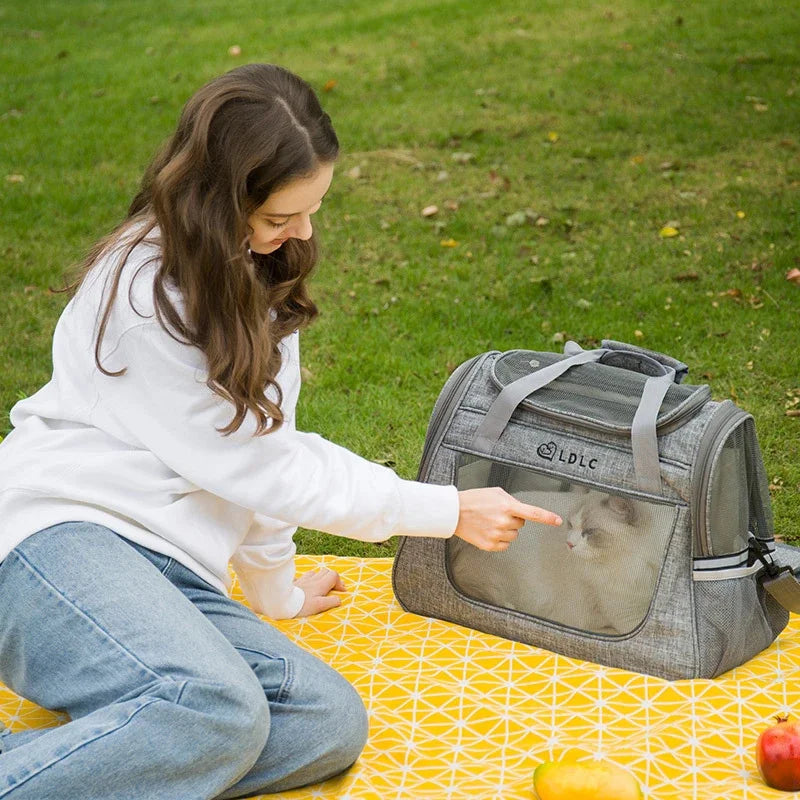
{"points": [[491, 518], [317, 585]]}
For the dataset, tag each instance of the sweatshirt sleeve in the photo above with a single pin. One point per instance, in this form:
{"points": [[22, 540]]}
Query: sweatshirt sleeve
{"points": [[163, 401], [264, 564]]}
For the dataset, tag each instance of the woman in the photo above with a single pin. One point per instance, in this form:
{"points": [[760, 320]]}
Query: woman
{"points": [[163, 449]]}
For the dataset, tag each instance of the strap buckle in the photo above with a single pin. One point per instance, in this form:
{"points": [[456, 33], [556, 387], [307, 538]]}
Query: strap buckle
{"points": [[779, 581]]}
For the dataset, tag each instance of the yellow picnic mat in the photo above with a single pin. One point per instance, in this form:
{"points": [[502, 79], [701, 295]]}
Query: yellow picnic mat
{"points": [[455, 713]]}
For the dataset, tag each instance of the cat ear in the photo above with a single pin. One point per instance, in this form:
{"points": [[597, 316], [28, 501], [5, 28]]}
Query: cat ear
{"points": [[623, 507]]}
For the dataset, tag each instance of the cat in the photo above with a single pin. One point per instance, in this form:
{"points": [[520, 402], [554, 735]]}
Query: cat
{"points": [[597, 572]]}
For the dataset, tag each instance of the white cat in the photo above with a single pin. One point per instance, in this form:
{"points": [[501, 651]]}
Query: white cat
{"points": [[597, 572]]}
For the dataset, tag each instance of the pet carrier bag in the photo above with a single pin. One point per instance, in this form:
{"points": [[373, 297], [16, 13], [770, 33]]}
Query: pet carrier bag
{"points": [[665, 563]]}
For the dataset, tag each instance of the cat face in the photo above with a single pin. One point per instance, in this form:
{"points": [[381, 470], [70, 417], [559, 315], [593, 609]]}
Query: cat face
{"points": [[601, 526]]}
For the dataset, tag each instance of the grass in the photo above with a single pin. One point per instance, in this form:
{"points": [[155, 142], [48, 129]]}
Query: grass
{"points": [[609, 121]]}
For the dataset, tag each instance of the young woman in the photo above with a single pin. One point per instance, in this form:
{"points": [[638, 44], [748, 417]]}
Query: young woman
{"points": [[164, 448]]}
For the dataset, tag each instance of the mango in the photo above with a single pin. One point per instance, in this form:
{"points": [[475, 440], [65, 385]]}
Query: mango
{"points": [[584, 780]]}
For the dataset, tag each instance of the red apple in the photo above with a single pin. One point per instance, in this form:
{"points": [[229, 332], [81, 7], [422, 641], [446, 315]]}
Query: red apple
{"points": [[778, 755]]}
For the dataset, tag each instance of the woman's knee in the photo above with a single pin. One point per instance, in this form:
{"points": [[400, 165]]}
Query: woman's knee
{"points": [[342, 722], [236, 715], [353, 725]]}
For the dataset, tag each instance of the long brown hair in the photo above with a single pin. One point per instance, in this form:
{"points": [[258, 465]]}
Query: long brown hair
{"points": [[239, 138]]}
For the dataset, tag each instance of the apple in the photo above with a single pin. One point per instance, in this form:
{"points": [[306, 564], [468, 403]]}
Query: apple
{"points": [[778, 755], [598, 780]]}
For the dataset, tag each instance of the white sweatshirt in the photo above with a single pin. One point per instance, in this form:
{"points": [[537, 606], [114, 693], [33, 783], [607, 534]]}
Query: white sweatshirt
{"points": [[139, 453]]}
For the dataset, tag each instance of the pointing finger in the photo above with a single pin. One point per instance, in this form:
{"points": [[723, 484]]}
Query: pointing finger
{"points": [[535, 514]]}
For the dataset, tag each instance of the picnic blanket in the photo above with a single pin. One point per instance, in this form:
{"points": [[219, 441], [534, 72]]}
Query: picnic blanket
{"points": [[455, 713]]}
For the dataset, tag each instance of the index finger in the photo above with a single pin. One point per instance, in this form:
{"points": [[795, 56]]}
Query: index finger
{"points": [[535, 514]]}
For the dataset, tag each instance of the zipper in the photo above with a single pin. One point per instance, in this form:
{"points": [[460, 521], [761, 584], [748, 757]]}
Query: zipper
{"points": [[573, 479], [726, 418], [602, 427], [446, 404], [698, 399]]}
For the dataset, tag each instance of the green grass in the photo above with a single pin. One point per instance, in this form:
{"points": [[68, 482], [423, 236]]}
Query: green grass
{"points": [[663, 113]]}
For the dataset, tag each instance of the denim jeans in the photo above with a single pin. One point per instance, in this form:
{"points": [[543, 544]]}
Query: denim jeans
{"points": [[173, 690]]}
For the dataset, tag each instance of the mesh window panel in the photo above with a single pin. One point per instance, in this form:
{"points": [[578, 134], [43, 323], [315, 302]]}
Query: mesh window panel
{"points": [[597, 572], [727, 503], [758, 486], [598, 392]]}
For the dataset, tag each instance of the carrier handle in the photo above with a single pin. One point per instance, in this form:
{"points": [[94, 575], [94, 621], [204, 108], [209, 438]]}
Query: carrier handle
{"points": [[630, 354], [635, 362], [644, 440]]}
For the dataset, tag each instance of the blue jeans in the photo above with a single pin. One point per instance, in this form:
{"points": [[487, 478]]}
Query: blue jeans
{"points": [[173, 690]]}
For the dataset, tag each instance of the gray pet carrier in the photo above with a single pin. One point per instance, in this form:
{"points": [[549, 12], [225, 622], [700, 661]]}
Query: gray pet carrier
{"points": [[665, 563]]}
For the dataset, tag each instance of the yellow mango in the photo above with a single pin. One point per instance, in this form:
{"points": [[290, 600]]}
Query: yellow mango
{"points": [[584, 780]]}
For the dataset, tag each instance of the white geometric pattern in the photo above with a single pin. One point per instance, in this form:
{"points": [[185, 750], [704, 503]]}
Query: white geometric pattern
{"points": [[455, 713]]}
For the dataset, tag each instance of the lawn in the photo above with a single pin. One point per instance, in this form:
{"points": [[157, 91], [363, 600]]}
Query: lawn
{"points": [[559, 141]]}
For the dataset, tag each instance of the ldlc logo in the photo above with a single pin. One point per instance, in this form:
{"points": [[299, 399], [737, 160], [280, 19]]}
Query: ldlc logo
{"points": [[552, 452]]}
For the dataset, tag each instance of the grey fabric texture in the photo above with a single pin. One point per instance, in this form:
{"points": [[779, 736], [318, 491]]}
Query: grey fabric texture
{"points": [[692, 628]]}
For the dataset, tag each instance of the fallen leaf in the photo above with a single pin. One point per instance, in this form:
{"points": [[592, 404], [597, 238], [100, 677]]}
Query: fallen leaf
{"points": [[443, 175], [20, 178], [731, 293], [306, 373], [638, 334], [429, 211], [686, 276], [637, 160], [234, 50], [667, 232], [793, 412], [740, 214], [354, 173], [330, 85], [542, 221], [451, 205], [761, 107], [793, 275], [517, 218], [552, 136], [448, 243], [582, 303], [461, 157]]}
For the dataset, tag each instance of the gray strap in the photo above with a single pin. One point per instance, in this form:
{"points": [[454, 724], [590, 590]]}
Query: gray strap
{"points": [[644, 440], [499, 413], [785, 588]]}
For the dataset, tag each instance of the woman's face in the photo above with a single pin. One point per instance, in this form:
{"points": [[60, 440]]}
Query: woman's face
{"points": [[286, 213]]}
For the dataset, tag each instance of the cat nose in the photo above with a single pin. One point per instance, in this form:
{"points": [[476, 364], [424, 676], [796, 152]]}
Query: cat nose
{"points": [[570, 545]]}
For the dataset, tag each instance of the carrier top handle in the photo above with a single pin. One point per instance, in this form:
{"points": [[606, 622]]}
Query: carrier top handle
{"points": [[631, 356], [644, 441]]}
